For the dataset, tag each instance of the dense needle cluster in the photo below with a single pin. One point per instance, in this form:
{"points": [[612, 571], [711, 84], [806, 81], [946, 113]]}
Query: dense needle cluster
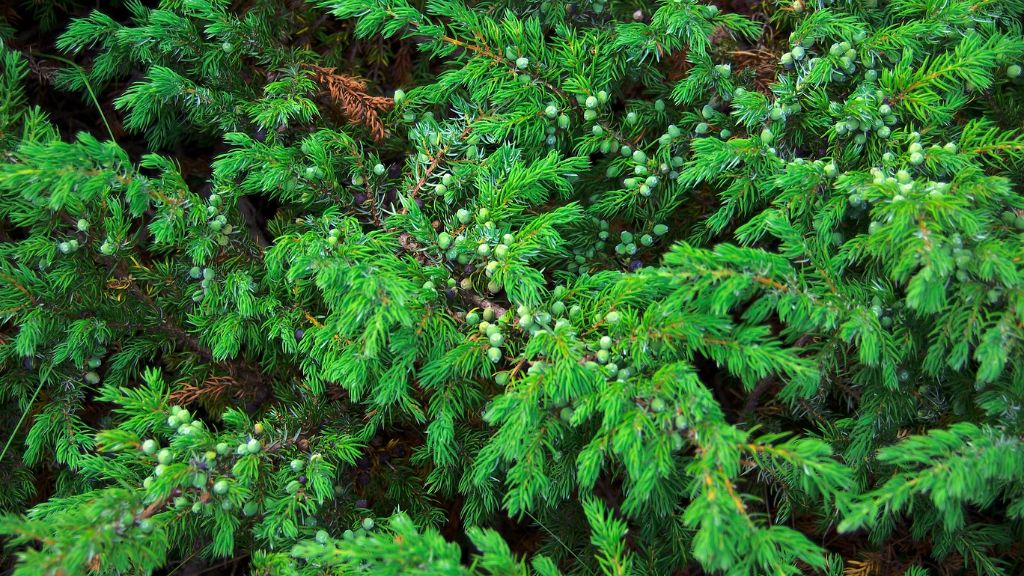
{"points": [[512, 287]]}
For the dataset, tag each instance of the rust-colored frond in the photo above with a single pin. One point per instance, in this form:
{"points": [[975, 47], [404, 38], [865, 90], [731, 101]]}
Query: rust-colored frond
{"points": [[347, 97], [213, 390]]}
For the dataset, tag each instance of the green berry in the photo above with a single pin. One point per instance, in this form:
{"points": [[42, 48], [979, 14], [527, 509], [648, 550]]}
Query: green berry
{"points": [[164, 456], [657, 405], [591, 102], [220, 487], [1013, 71], [659, 105], [379, 169], [150, 446], [494, 355], [767, 136], [322, 536], [631, 118], [250, 508], [367, 524], [798, 52], [702, 128], [613, 317], [92, 377], [551, 111], [660, 229], [522, 62], [253, 446]]}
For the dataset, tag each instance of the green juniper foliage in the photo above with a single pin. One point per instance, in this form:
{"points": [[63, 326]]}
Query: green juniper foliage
{"points": [[513, 287]]}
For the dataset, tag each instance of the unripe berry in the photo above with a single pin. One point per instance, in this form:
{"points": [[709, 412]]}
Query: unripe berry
{"points": [[659, 105], [1013, 71], [500, 251], [444, 240], [767, 136], [798, 52], [702, 128], [660, 229], [496, 340], [92, 377], [613, 317], [150, 446], [916, 158], [220, 487], [379, 169], [657, 405], [164, 456], [522, 62], [253, 446], [463, 215], [551, 111], [494, 355]]}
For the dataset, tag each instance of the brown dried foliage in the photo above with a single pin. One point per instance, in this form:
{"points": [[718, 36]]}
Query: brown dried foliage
{"points": [[346, 96], [214, 390]]}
